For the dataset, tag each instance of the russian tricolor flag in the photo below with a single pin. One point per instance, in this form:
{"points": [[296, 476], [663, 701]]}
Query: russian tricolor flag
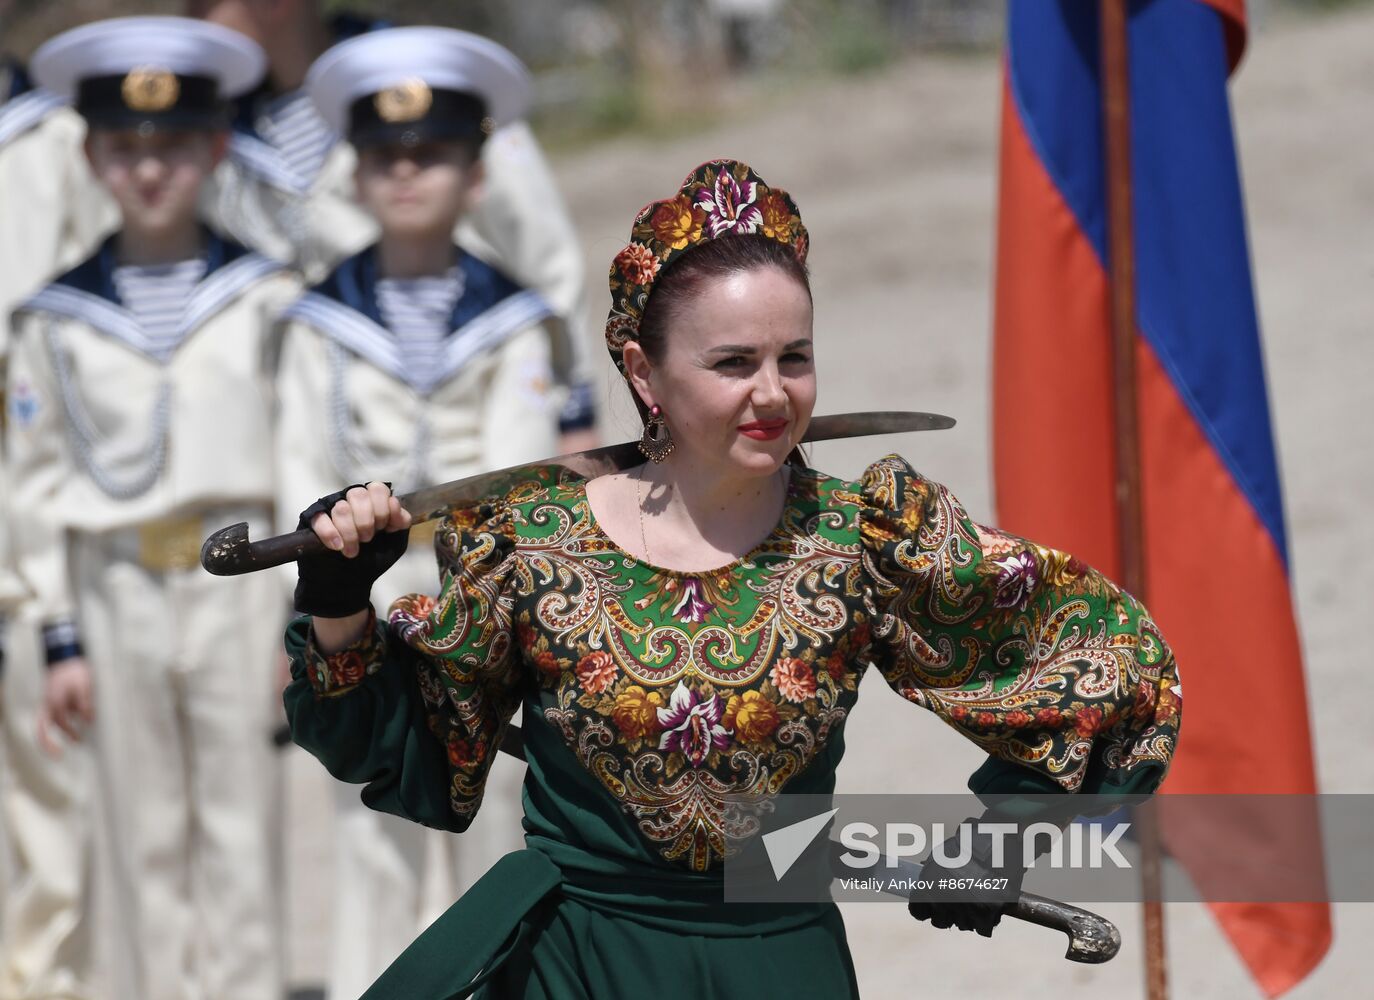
{"points": [[1216, 558]]}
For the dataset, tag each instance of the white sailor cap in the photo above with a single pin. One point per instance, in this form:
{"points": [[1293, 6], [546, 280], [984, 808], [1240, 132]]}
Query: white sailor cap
{"points": [[408, 84], [129, 72]]}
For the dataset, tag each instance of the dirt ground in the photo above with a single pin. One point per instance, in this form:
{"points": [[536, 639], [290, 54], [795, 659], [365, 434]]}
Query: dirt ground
{"points": [[896, 177]]}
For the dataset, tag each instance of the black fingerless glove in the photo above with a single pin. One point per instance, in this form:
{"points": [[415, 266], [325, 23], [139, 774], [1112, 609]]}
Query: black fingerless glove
{"points": [[991, 888], [331, 585]]}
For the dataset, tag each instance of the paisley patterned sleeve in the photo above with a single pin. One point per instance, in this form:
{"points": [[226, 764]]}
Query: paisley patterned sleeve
{"points": [[415, 709], [1056, 672], [467, 666]]}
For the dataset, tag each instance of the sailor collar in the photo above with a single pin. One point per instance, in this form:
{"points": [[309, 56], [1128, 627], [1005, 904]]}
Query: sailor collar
{"points": [[87, 293], [263, 160], [490, 309]]}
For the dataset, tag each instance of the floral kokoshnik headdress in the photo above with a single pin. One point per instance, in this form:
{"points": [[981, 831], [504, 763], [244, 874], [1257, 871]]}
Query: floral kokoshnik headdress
{"points": [[718, 198]]}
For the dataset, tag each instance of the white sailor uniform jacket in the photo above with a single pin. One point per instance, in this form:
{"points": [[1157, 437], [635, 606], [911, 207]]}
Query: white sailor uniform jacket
{"points": [[356, 407], [110, 429]]}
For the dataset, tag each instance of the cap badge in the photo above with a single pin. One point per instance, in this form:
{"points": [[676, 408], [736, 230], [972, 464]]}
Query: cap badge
{"points": [[150, 88], [407, 101]]}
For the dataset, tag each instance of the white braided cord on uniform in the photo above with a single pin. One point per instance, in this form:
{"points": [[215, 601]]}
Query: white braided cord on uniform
{"points": [[85, 438]]}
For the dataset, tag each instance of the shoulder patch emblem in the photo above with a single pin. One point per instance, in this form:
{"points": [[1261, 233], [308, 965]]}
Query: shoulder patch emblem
{"points": [[24, 405], [536, 382]]}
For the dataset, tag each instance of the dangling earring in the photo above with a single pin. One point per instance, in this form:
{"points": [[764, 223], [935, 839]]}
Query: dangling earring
{"points": [[657, 442]]}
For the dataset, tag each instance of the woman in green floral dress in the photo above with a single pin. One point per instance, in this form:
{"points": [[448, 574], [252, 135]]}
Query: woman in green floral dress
{"points": [[651, 690]]}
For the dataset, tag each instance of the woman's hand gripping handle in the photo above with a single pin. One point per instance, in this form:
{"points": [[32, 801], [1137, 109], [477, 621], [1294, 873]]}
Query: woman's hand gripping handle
{"points": [[365, 530]]}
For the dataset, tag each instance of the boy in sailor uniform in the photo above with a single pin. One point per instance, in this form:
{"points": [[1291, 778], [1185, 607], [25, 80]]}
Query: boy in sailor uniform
{"points": [[140, 419], [51, 214], [286, 188], [415, 361]]}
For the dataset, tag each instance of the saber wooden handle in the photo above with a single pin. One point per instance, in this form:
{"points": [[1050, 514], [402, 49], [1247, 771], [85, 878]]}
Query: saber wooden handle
{"points": [[228, 552]]}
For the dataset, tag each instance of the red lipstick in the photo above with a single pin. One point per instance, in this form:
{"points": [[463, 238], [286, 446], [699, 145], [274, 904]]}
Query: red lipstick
{"points": [[764, 430]]}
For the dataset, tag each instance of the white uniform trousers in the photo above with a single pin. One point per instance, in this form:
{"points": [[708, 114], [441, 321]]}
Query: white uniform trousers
{"points": [[393, 877], [44, 893], [188, 854]]}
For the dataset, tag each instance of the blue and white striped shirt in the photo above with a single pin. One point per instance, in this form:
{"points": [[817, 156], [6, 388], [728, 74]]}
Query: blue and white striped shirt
{"points": [[157, 295], [419, 313], [295, 129]]}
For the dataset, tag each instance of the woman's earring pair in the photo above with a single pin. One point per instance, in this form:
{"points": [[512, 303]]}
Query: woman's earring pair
{"points": [[656, 443]]}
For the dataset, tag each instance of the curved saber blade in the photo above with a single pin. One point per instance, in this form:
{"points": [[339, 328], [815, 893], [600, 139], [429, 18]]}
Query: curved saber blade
{"points": [[849, 425], [228, 552]]}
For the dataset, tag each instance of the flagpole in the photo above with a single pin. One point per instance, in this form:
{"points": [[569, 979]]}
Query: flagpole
{"points": [[1121, 252]]}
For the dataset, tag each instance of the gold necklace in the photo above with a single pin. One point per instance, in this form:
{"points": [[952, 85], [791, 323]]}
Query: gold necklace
{"points": [[639, 494]]}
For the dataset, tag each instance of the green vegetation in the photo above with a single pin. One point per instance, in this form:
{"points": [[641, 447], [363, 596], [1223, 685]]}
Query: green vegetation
{"points": [[854, 39]]}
